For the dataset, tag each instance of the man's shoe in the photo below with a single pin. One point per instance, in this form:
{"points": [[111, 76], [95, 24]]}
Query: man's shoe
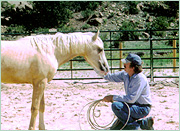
{"points": [[117, 125], [146, 123], [150, 123]]}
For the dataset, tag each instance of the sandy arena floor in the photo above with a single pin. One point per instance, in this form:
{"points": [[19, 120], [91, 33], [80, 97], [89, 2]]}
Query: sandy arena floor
{"points": [[65, 99]]}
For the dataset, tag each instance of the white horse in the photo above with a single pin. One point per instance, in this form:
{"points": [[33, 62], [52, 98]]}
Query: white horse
{"points": [[35, 59]]}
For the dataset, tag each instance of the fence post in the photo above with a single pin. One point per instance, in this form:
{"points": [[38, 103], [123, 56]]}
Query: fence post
{"points": [[120, 54], [71, 66], [151, 57], [174, 55], [111, 50]]}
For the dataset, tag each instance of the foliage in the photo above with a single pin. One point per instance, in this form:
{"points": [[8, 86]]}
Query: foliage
{"points": [[161, 8], [86, 26], [84, 5], [44, 14], [132, 7], [13, 30], [88, 8], [16, 29], [86, 14], [126, 32], [57, 14], [51, 14]]}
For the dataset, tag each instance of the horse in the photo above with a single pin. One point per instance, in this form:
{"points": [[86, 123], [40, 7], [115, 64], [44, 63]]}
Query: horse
{"points": [[35, 59]]}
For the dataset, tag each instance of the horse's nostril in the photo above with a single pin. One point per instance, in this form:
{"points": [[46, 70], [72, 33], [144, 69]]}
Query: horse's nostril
{"points": [[103, 66]]}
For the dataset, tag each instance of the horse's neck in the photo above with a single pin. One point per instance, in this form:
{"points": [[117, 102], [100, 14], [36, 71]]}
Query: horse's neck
{"points": [[61, 59], [64, 53]]}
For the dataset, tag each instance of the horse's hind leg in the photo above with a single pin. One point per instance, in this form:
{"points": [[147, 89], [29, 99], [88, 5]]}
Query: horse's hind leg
{"points": [[41, 114], [38, 91]]}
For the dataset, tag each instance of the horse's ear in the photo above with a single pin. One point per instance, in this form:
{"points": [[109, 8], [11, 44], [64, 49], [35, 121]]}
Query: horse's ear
{"points": [[95, 36]]}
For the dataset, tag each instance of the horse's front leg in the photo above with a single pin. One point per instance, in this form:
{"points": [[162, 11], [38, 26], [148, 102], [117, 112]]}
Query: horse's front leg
{"points": [[41, 114], [38, 91]]}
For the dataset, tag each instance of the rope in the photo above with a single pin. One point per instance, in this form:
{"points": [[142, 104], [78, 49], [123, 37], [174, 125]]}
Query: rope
{"points": [[94, 124], [129, 113]]}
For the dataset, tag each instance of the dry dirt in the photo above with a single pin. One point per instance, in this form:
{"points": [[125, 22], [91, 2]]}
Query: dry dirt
{"points": [[65, 99]]}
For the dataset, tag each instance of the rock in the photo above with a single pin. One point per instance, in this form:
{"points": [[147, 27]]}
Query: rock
{"points": [[114, 5], [146, 35], [94, 16], [110, 15], [101, 14], [161, 52], [95, 21], [140, 53], [118, 14], [149, 19], [111, 11]]}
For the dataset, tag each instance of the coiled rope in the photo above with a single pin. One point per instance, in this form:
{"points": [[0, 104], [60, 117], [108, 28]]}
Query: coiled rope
{"points": [[95, 125]]}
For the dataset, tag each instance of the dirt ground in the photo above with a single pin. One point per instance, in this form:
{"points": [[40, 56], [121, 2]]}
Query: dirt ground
{"points": [[65, 99]]}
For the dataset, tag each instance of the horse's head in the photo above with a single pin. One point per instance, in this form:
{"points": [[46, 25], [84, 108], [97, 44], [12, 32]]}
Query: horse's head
{"points": [[95, 55]]}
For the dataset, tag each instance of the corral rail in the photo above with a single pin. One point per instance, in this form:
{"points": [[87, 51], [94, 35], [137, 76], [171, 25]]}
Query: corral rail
{"points": [[149, 52]]}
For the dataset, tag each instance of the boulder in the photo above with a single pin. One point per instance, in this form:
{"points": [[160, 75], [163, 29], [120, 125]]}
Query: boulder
{"points": [[101, 14], [95, 21]]}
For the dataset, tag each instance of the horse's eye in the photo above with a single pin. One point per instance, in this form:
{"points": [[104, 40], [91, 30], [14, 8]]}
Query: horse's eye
{"points": [[100, 50]]}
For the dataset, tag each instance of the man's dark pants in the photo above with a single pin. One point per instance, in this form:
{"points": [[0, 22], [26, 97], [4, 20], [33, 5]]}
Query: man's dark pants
{"points": [[137, 111]]}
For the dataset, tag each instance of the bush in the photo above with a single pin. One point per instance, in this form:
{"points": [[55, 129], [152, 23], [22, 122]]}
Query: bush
{"points": [[86, 26], [126, 34], [160, 23], [50, 14], [132, 6], [45, 14], [15, 29], [42, 15], [86, 14], [78, 6]]}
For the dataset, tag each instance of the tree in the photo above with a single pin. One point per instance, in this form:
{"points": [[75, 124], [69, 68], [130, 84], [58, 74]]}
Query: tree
{"points": [[48, 14]]}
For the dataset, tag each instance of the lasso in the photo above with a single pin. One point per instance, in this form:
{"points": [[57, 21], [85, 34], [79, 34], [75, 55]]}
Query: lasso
{"points": [[94, 124]]}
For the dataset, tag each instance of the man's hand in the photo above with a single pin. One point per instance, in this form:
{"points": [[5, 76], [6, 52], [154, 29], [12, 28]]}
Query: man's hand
{"points": [[108, 98]]}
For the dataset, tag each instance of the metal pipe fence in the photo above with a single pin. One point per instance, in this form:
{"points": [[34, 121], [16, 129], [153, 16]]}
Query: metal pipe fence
{"points": [[109, 48]]}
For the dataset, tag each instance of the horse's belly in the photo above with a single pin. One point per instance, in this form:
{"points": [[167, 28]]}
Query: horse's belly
{"points": [[14, 71], [15, 64], [8, 77], [25, 71]]}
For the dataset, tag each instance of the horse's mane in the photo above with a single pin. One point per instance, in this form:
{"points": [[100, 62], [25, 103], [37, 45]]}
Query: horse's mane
{"points": [[75, 42]]}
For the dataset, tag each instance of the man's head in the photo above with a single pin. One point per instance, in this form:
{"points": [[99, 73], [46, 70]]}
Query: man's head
{"points": [[132, 63]]}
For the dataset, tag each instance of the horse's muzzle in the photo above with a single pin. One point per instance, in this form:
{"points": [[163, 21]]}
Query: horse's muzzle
{"points": [[103, 67]]}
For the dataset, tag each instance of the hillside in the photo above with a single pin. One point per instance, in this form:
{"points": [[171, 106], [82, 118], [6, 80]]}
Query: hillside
{"points": [[111, 16], [114, 15]]}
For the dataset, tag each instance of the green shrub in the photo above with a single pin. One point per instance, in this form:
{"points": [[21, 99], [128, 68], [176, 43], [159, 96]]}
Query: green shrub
{"points": [[132, 7], [15, 29], [86, 26], [126, 34], [87, 13]]}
